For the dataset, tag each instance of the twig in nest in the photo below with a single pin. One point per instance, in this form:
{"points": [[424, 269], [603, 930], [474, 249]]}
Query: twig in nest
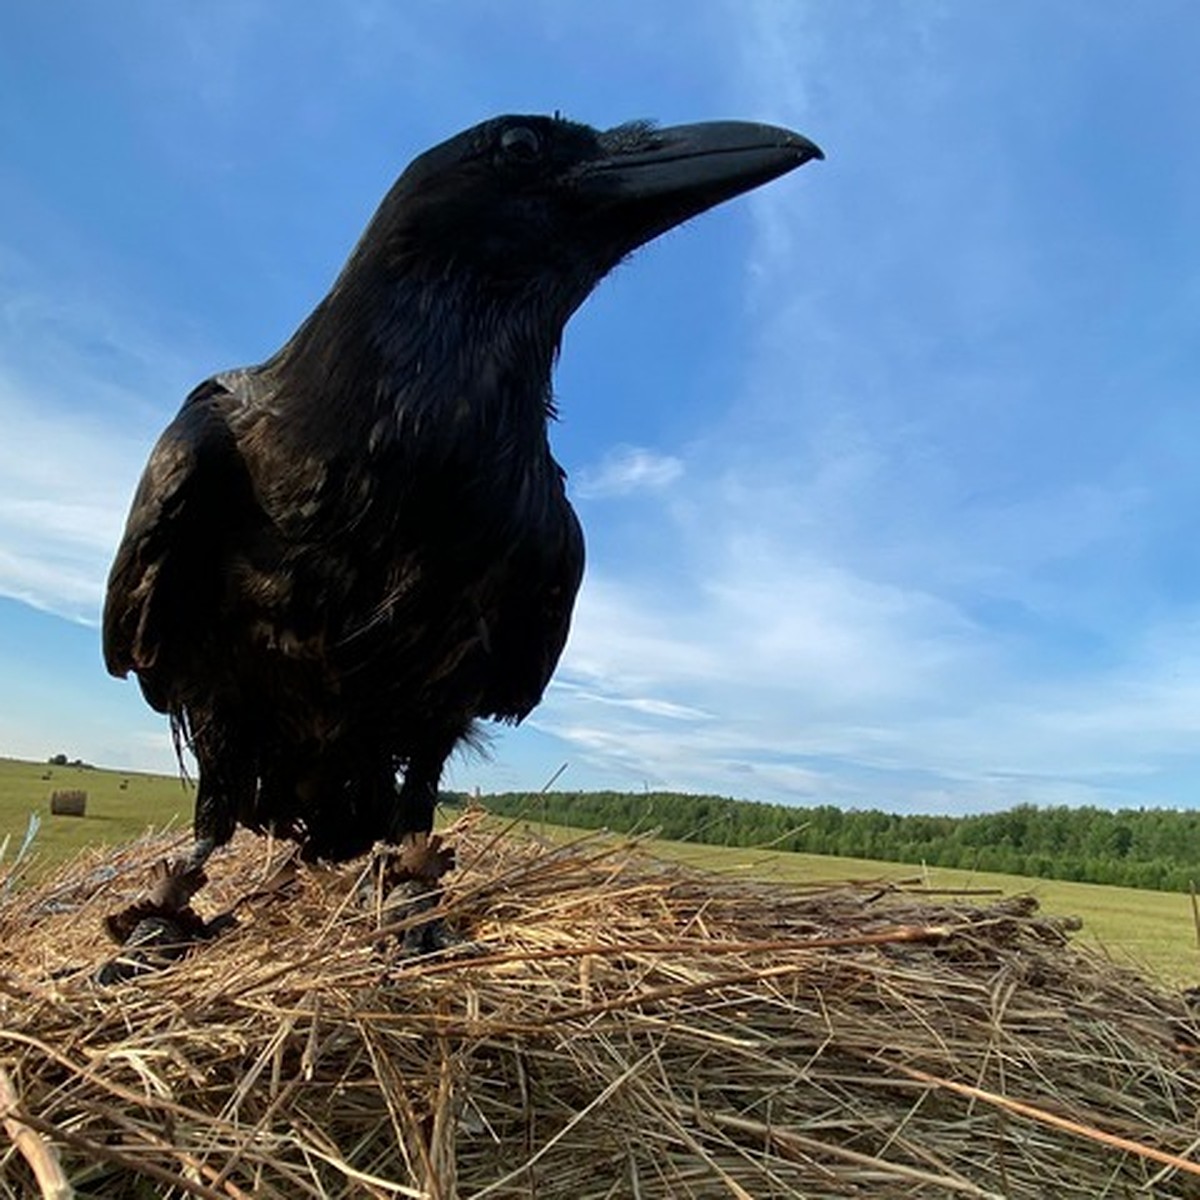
{"points": [[37, 1152]]}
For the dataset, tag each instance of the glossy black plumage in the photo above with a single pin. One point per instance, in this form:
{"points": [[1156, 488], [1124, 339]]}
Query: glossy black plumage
{"points": [[338, 560]]}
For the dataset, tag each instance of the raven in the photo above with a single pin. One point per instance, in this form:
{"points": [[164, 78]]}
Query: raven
{"points": [[337, 561]]}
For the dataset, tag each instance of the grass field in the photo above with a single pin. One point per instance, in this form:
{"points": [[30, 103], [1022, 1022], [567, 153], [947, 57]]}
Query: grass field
{"points": [[1152, 930], [119, 806]]}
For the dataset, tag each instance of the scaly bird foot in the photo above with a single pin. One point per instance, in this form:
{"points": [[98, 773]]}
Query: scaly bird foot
{"points": [[405, 884], [160, 927]]}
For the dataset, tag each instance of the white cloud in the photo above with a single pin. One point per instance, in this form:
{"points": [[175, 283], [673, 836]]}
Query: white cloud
{"points": [[838, 692], [648, 705], [625, 470], [65, 484], [74, 380]]}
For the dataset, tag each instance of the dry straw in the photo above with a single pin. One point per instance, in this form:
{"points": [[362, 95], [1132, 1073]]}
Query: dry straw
{"points": [[615, 1027]]}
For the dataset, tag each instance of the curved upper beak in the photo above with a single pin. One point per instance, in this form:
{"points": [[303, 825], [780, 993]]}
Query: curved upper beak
{"points": [[647, 180], [732, 155]]}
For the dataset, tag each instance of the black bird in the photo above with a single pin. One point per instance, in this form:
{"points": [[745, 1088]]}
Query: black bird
{"points": [[338, 560]]}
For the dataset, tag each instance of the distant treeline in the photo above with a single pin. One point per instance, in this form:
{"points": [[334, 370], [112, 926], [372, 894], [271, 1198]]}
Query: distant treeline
{"points": [[1145, 848]]}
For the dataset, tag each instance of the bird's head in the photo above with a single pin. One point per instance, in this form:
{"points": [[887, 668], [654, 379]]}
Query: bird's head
{"points": [[544, 207]]}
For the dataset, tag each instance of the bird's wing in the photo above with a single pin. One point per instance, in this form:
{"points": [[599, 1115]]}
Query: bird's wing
{"points": [[532, 626], [163, 588]]}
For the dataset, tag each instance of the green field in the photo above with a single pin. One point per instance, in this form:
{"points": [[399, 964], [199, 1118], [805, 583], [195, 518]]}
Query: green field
{"points": [[115, 813], [1152, 930]]}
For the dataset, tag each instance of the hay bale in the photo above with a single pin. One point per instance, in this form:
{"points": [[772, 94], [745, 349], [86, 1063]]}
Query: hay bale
{"points": [[68, 802], [624, 1028]]}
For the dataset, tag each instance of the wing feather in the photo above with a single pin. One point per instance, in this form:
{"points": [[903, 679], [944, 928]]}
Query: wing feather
{"points": [[165, 581]]}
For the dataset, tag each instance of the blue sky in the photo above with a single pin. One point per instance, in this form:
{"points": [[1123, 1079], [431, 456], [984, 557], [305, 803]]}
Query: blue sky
{"points": [[888, 470]]}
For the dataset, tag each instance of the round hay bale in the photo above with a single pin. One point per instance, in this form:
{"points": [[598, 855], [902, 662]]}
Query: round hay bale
{"points": [[68, 802], [613, 1027]]}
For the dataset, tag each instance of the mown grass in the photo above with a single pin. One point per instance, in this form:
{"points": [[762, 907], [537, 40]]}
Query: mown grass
{"points": [[120, 806], [1152, 930]]}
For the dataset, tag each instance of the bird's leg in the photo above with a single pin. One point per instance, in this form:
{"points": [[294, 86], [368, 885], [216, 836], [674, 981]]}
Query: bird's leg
{"points": [[409, 872], [201, 852]]}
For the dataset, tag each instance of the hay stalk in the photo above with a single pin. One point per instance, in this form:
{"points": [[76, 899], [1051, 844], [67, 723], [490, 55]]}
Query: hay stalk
{"points": [[613, 1027], [40, 1155]]}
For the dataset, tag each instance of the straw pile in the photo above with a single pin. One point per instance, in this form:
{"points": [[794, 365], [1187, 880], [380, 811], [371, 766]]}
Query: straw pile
{"points": [[615, 1027]]}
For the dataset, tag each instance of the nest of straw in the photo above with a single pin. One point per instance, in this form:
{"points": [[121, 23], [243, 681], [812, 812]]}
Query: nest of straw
{"points": [[613, 1027]]}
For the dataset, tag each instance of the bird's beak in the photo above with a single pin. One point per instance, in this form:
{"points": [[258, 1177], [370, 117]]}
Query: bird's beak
{"points": [[652, 179]]}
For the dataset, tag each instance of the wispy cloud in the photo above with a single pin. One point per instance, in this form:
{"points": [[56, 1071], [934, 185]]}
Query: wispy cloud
{"points": [[835, 691], [77, 427], [625, 470], [647, 705], [64, 484]]}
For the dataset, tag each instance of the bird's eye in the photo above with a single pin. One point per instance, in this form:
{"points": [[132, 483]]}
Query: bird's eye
{"points": [[521, 143]]}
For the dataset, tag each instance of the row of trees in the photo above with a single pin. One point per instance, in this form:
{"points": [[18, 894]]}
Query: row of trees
{"points": [[1146, 848]]}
